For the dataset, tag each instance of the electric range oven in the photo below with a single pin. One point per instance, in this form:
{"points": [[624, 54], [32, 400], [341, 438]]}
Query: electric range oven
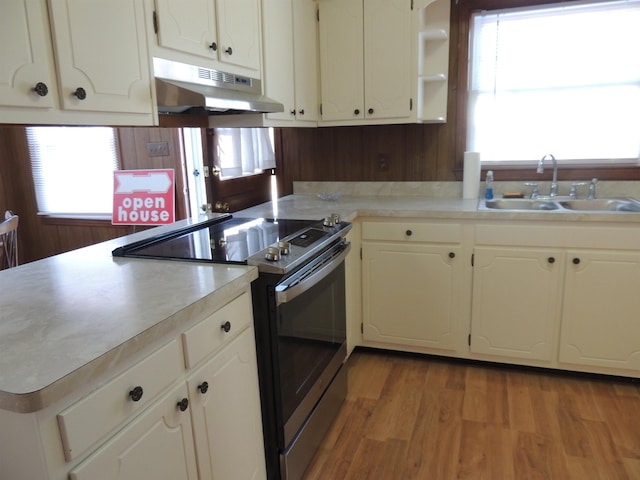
{"points": [[299, 312]]}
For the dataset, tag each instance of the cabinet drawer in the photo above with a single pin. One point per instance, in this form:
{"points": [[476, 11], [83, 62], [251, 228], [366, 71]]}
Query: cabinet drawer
{"points": [[210, 334], [98, 413], [412, 232]]}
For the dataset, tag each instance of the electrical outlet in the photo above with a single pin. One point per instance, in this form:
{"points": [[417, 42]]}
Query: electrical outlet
{"points": [[158, 149], [383, 163]]}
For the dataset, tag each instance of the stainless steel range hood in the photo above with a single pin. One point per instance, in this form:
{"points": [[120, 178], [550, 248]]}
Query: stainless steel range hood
{"points": [[182, 88]]}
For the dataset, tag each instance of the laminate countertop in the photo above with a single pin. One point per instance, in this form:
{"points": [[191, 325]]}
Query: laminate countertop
{"points": [[74, 316], [68, 318]]}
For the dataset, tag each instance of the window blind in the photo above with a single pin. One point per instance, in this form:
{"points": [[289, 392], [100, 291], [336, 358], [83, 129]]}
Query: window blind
{"points": [[73, 170], [561, 79], [243, 151]]}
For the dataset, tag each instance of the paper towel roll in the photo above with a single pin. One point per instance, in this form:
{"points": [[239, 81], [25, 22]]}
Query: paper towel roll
{"points": [[471, 176]]}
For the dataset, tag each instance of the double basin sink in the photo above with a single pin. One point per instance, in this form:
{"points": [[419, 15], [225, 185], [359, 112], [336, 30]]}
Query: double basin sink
{"points": [[562, 204]]}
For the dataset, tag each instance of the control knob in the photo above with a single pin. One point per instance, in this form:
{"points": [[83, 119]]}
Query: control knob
{"points": [[284, 248], [329, 221], [273, 254]]}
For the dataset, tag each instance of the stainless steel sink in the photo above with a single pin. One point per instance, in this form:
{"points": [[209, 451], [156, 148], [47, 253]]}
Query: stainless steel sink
{"points": [[602, 205], [520, 204]]}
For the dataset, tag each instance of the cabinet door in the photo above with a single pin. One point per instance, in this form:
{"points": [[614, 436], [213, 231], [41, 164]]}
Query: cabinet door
{"points": [[305, 50], [409, 293], [601, 311], [187, 26], [157, 444], [341, 59], [239, 32], [277, 22], [26, 58], [515, 302], [226, 415], [101, 54], [387, 58]]}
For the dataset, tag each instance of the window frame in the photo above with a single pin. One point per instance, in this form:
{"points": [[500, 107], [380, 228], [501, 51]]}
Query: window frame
{"points": [[510, 172]]}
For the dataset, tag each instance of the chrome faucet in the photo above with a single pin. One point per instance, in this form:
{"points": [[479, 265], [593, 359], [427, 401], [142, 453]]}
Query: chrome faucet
{"points": [[592, 189], [553, 191]]}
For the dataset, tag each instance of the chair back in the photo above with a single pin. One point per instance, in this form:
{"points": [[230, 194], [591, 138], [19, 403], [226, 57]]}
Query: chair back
{"points": [[9, 241]]}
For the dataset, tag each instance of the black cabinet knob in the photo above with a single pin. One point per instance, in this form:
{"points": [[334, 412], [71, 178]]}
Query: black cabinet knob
{"points": [[213, 46], [356, 111], [452, 255], [229, 51], [80, 93], [136, 393], [226, 326], [408, 233], [41, 89], [551, 260], [576, 261], [370, 111], [292, 112], [183, 404], [301, 112], [203, 387]]}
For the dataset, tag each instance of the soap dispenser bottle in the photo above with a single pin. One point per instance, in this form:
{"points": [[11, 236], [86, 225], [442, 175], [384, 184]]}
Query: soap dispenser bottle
{"points": [[488, 185]]}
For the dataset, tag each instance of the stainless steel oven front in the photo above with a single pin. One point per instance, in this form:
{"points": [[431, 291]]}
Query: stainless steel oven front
{"points": [[301, 343]]}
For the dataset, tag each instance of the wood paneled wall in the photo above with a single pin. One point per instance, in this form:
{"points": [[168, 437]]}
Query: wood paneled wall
{"points": [[40, 237]]}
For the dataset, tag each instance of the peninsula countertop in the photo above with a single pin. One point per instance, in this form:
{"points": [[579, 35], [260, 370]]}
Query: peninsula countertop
{"points": [[67, 318]]}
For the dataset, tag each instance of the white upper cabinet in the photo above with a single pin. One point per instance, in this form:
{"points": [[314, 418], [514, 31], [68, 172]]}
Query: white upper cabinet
{"points": [[291, 60], [26, 60], [101, 53], [368, 61], [77, 62], [217, 34], [187, 26]]}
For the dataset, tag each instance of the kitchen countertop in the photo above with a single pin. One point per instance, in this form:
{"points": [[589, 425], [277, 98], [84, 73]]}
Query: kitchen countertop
{"points": [[71, 317]]}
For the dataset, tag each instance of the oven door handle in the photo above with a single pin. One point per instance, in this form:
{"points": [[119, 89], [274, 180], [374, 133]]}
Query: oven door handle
{"points": [[289, 293]]}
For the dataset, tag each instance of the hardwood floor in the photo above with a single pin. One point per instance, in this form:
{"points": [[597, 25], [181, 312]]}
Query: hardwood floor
{"points": [[413, 417]]}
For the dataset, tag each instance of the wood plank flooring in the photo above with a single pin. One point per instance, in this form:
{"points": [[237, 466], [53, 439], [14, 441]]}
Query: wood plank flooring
{"points": [[415, 417]]}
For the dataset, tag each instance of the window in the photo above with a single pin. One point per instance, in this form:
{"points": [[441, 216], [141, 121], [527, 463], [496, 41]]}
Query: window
{"points": [[560, 78], [73, 170], [240, 152]]}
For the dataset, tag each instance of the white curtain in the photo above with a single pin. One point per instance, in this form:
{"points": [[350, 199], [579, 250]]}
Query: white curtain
{"points": [[243, 151], [561, 79]]}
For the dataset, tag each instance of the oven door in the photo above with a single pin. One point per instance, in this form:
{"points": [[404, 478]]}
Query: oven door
{"points": [[311, 316]]}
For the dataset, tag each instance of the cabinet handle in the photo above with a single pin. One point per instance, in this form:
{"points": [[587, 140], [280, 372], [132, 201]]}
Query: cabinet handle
{"points": [[408, 233], [301, 112], [551, 260], [203, 387], [136, 393], [226, 326], [229, 51], [370, 111], [576, 261], [80, 93], [293, 112], [183, 404], [452, 255], [213, 46], [356, 111], [41, 89]]}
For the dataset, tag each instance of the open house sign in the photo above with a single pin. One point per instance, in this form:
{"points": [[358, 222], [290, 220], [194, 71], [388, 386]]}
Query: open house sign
{"points": [[143, 197]]}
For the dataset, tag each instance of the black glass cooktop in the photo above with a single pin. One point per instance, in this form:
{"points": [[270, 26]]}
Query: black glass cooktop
{"points": [[227, 241]]}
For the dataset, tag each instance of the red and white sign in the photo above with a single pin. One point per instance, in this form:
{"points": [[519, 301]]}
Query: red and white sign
{"points": [[143, 197]]}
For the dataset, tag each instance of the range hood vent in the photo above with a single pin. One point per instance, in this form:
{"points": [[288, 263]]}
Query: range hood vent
{"points": [[182, 88]]}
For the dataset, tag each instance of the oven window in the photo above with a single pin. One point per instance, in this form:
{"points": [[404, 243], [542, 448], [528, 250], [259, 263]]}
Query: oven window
{"points": [[311, 329]]}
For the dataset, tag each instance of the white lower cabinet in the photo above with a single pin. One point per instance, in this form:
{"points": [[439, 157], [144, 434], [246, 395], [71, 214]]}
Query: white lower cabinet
{"points": [[516, 301], [157, 444], [227, 420], [413, 276], [601, 310]]}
